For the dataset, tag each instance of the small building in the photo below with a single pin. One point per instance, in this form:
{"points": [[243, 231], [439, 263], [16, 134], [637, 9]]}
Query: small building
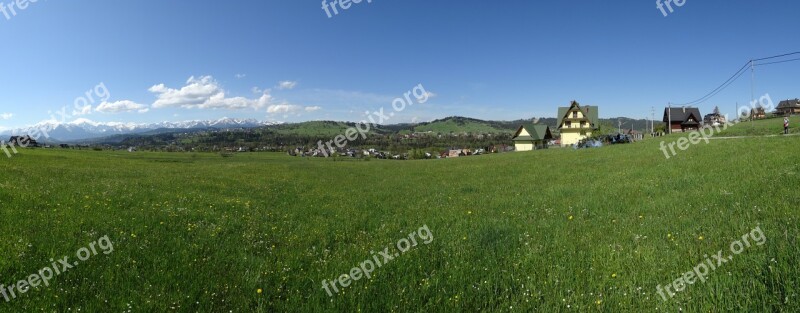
{"points": [[577, 122], [633, 134], [788, 107], [682, 119], [23, 141], [714, 119], [758, 113], [532, 137]]}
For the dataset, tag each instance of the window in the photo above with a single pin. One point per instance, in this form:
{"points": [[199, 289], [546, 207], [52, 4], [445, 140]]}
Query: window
{"points": [[574, 114], [568, 124], [583, 124]]}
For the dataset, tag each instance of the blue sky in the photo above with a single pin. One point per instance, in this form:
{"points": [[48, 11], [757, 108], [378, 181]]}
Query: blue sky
{"points": [[289, 61]]}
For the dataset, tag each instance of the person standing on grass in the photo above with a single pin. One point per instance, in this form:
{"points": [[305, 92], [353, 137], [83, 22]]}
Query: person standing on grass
{"points": [[786, 125]]}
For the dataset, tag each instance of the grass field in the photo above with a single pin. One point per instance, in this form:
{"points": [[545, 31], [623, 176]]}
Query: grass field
{"points": [[557, 230], [766, 127]]}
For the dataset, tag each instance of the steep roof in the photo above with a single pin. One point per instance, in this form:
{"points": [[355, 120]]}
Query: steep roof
{"points": [[681, 114], [786, 104], [537, 132], [590, 112]]}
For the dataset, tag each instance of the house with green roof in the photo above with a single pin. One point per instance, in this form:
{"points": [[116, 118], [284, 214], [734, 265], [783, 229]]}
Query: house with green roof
{"points": [[532, 137], [577, 122]]}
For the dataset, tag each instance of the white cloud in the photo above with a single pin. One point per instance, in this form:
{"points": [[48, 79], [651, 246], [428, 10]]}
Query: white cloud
{"points": [[429, 95], [82, 110], [240, 76], [203, 93], [290, 108], [258, 91], [283, 108], [6, 116], [286, 85], [121, 106]]}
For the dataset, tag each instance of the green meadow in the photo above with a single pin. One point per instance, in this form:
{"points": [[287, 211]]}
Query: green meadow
{"points": [[557, 230], [764, 127]]}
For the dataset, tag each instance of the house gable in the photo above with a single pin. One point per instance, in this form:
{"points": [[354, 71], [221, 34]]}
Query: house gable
{"points": [[576, 113], [682, 119], [531, 132]]}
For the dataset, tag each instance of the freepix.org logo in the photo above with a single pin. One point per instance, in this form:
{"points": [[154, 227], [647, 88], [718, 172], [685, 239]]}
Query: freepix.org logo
{"points": [[666, 5], [335, 5], [11, 9]]}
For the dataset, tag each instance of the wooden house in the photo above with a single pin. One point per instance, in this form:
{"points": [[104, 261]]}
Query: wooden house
{"points": [[758, 113], [788, 107], [682, 119]]}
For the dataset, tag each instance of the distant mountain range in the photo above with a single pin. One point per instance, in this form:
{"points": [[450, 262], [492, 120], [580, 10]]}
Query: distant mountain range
{"points": [[83, 129]]}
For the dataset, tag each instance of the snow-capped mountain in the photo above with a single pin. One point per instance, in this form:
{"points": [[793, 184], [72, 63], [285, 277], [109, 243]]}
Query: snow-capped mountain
{"points": [[82, 129]]}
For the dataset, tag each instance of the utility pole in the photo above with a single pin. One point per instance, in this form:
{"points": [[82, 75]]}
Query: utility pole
{"points": [[669, 118], [652, 120], [752, 89]]}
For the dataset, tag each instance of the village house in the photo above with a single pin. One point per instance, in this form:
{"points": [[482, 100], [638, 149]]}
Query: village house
{"points": [[758, 113], [576, 123], [788, 107], [714, 118], [23, 141], [532, 137], [682, 119], [633, 134]]}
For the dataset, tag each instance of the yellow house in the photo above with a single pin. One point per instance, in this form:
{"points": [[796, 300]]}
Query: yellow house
{"points": [[577, 122], [531, 137]]}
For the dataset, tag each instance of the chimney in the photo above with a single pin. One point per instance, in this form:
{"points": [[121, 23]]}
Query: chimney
{"points": [[684, 109]]}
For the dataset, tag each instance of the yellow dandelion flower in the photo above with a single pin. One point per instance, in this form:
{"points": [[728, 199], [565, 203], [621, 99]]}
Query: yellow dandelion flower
{"points": [[570, 217], [259, 291], [614, 275], [700, 238], [598, 302]]}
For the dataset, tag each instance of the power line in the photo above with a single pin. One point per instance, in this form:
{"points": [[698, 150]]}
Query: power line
{"points": [[777, 62], [739, 74], [724, 85], [723, 88], [777, 56]]}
